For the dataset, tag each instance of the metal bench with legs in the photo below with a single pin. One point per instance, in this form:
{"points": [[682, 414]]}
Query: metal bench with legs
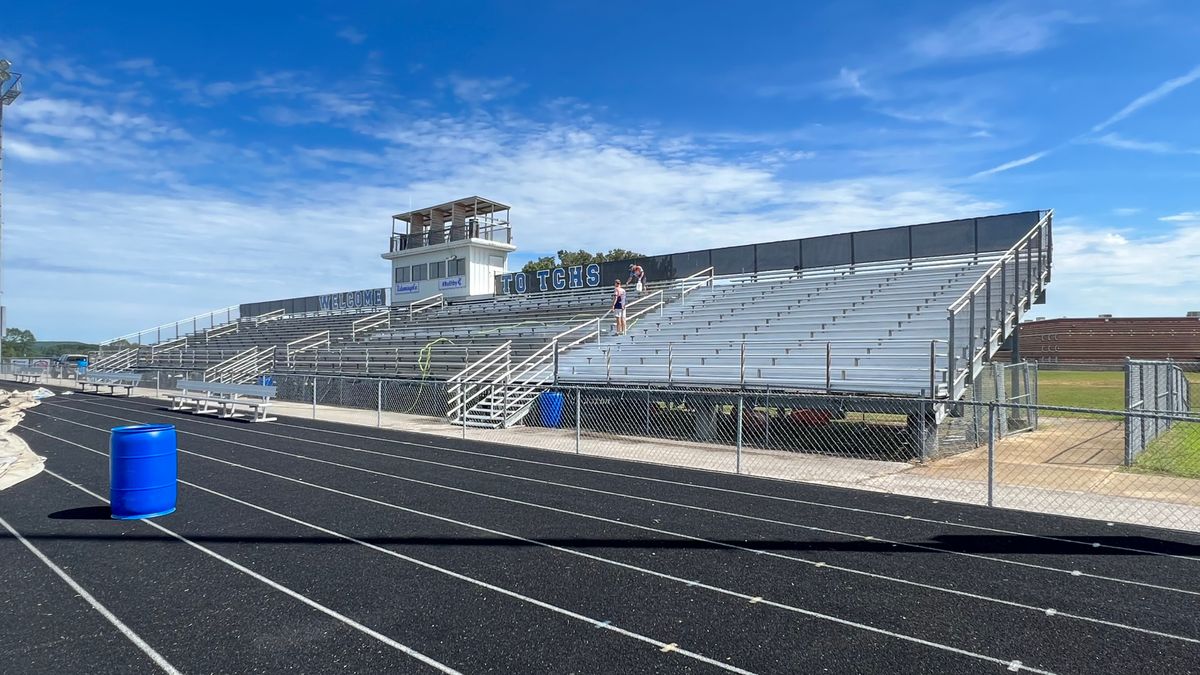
{"points": [[113, 381], [29, 374], [203, 398]]}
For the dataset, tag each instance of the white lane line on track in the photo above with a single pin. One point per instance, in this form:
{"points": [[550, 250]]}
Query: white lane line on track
{"points": [[710, 488], [581, 554], [430, 566], [273, 584], [721, 544], [811, 528], [128, 632]]}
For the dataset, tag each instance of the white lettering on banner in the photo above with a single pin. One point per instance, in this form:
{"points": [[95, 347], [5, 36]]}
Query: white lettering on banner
{"points": [[450, 284], [558, 279], [371, 297], [408, 289]]}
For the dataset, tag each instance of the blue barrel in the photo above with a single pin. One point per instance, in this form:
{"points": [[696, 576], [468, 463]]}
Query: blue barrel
{"points": [[550, 409], [142, 471]]}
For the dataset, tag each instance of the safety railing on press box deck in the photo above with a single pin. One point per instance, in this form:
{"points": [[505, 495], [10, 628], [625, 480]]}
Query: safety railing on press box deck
{"points": [[1021, 274]]}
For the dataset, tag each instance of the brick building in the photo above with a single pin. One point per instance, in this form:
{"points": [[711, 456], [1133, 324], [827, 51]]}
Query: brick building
{"points": [[1108, 340]]}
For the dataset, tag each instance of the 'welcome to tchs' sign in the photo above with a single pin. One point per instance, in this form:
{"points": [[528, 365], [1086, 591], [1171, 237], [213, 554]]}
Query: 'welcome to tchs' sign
{"points": [[558, 279]]}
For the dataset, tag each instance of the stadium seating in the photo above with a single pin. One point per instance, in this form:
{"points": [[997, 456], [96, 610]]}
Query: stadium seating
{"points": [[865, 330]]}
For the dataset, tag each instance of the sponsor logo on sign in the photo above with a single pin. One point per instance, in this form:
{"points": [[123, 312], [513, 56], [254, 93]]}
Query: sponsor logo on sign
{"points": [[450, 284], [408, 289]]}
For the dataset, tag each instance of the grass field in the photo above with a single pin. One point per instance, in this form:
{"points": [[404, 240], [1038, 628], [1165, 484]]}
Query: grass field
{"points": [[1176, 453]]}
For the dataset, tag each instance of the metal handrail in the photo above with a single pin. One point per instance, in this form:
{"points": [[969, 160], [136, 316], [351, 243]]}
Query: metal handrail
{"points": [[473, 366], [1021, 294], [228, 364], [324, 340], [117, 360], [369, 322], [991, 271], [418, 306], [228, 311], [263, 318], [167, 346], [231, 327]]}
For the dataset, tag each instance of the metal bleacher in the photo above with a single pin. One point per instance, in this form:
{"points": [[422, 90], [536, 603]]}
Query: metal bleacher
{"points": [[866, 329]]}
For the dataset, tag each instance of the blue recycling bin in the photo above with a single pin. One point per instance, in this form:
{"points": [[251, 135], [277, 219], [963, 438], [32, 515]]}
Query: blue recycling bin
{"points": [[142, 471], [550, 409], [266, 380]]}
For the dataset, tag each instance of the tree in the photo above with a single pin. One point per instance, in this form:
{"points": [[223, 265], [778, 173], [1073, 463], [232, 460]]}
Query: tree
{"points": [[580, 257], [18, 343]]}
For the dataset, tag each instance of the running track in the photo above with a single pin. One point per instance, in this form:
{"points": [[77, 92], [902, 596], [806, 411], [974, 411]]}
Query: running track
{"points": [[313, 546]]}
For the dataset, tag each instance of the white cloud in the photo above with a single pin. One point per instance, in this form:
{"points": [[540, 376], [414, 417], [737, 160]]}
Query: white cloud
{"points": [[1027, 159], [1185, 217], [481, 90], [1127, 211], [1161, 91], [1118, 142], [1004, 29], [35, 153], [352, 35], [1100, 270]]}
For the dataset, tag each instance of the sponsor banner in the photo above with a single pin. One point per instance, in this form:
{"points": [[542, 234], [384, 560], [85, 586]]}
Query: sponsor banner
{"points": [[41, 363], [451, 284], [20, 362], [407, 289]]}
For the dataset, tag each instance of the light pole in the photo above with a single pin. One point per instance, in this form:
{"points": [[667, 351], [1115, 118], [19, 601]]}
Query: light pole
{"points": [[10, 89]]}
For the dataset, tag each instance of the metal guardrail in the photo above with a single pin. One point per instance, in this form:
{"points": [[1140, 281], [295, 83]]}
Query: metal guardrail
{"points": [[369, 323], [1029, 262], [231, 327], [418, 306], [167, 346], [122, 360], [475, 382], [221, 370], [263, 318], [171, 330], [306, 343]]}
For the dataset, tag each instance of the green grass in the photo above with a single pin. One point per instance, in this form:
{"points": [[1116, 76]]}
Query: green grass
{"points": [[1093, 390], [1176, 452]]}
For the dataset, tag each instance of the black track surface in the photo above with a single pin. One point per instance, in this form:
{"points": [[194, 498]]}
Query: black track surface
{"points": [[762, 575]]}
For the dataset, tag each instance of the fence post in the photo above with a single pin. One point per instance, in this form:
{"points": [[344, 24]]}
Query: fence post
{"points": [[314, 407], [991, 456], [379, 403], [742, 367], [828, 367], [578, 421], [556, 362], [738, 466]]}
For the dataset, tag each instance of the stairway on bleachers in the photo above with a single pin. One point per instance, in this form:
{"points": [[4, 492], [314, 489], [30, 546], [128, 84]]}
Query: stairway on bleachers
{"points": [[864, 330]]}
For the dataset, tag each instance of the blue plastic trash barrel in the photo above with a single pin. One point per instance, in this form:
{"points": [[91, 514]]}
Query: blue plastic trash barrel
{"points": [[550, 409], [142, 471]]}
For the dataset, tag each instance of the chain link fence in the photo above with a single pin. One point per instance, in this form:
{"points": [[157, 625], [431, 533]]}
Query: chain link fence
{"points": [[1070, 461], [1153, 385]]}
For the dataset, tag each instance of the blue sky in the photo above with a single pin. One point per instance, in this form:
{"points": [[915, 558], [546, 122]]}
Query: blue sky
{"points": [[167, 160]]}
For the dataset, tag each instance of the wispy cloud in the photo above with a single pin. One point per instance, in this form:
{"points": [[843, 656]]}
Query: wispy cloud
{"points": [[1127, 211], [1185, 217], [1004, 29], [1112, 140], [1028, 159], [481, 89], [1161, 91], [352, 35]]}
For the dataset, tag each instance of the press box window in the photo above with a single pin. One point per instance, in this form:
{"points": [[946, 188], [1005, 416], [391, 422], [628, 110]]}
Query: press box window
{"points": [[456, 267], [437, 270], [403, 275], [419, 272]]}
